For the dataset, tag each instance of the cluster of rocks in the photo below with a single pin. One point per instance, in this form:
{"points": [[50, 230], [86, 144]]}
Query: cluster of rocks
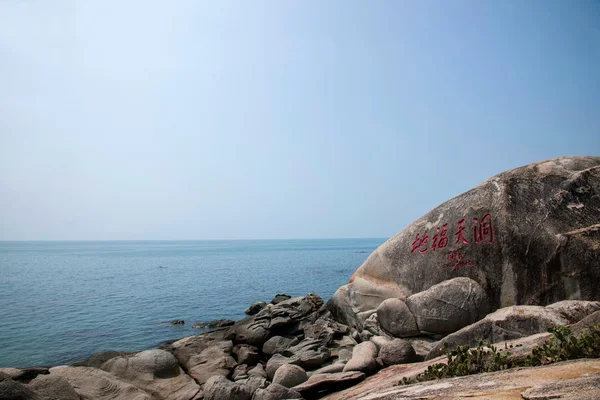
{"points": [[292, 349]]}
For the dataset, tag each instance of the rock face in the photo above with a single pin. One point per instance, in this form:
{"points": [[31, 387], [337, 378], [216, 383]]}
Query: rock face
{"points": [[526, 236]]}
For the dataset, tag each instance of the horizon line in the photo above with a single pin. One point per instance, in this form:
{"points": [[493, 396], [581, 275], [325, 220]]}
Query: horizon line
{"points": [[180, 240]]}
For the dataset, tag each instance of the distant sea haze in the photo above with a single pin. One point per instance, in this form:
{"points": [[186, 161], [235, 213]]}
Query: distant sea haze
{"points": [[63, 301]]}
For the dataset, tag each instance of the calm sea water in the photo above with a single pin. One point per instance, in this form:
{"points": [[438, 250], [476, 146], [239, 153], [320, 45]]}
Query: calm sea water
{"points": [[63, 301]]}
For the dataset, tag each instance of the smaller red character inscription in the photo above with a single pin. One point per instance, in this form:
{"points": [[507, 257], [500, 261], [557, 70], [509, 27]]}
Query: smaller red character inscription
{"points": [[440, 240], [458, 261], [459, 235], [420, 243], [483, 231]]}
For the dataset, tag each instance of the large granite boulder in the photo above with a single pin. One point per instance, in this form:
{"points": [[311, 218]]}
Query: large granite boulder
{"points": [[52, 387], [530, 235]]}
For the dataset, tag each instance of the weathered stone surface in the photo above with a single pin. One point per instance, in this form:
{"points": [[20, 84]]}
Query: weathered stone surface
{"points": [[220, 388], [331, 368], [276, 392], [504, 324], [156, 372], [277, 361], [95, 384], [246, 354], [239, 372], [575, 310], [373, 326], [254, 383], [255, 308], [397, 351], [586, 323], [309, 353], [289, 375], [24, 374], [11, 390], [395, 317], [363, 358], [52, 387], [571, 389], [187, 348], [448, 306], [325, 330], [422, 346], [279, 344], [323, 383], [544, 220]]}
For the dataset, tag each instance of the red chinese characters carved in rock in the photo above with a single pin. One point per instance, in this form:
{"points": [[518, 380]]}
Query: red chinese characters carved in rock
{"points": [[420, 243], [483, 231], [440, 240], [459, 235]]}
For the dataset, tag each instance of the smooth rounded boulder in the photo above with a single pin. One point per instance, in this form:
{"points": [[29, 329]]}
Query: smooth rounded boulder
{"points": [[395, 317], [526, 236], [290, 375], [397, 351]]}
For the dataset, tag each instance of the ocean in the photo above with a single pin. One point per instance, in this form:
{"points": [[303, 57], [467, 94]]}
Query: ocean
{"points": [[61, 302]]}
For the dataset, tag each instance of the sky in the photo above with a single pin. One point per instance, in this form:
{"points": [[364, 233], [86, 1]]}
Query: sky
{"points": [[155, 120]]}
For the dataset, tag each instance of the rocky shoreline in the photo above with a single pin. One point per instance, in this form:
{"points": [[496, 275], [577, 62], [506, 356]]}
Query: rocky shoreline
{"points": [[290, 348]]}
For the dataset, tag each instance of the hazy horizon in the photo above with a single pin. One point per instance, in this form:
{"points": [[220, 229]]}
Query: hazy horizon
{"points": [[145, 120]]}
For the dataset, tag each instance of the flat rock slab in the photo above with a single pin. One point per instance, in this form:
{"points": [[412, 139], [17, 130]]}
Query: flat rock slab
{"points": [[328, 382], [571, 379]]}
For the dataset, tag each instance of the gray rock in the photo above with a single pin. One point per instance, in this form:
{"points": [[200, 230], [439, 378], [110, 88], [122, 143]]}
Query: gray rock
{"points": [[24, 374], [279, 344], [258, 371], [254, 383], [575, 310], [98, 359], [240, 372], [448, 306], [220, 388], [325, 330], [373, 326], [178, 322], [310, 353], [276, 392], [395, 317], [219, 323], [397, 351], [156, 372], [214, 360], [250, 331], [586, 323], [289, 375], [585, 388], [526, 236], [380, 341], [363, 358], [255, 308], [246, 354], [52, 387], [11, 390], [504, 324], [93, 383], [319, 383], [277, 361], [422, 346], [279, 298], [331, 368]]}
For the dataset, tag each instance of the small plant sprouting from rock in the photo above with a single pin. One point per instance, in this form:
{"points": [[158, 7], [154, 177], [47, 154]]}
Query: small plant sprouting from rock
{"points": [[565, 346], [467, 361]]}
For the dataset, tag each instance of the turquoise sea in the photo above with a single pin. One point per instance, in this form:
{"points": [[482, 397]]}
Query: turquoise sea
{"points": [[60, 302]]}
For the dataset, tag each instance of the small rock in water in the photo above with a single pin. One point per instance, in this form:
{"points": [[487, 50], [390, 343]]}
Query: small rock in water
{"points": [[178, 322], [219, 323]]}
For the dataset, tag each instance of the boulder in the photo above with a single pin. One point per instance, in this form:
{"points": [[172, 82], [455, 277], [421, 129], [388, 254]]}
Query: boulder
{"points": [[258, 371], [277, 361], [394, 316], [528, 236], [276, 391], [96, 384], [279, 344], [363, 358], [325, 330], [397, 351], [11, 390], [220, 388], [52, 387], [279, 298], [24, 374], [240, 372], [289, 375], [575, 310], [214, 360], [246, 354], [254, 383], [322, 383], [255, 308], [337, 366], [96, 360], [448, 306], [504, 324], [309, 353], [156, 372], [583, 326]]}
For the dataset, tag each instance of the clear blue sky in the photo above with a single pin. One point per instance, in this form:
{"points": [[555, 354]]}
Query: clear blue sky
{"points": [[279, 119]]}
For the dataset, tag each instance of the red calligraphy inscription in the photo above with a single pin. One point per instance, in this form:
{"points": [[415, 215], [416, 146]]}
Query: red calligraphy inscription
{"points": [[420, 243], [459, 235], [440, 240], [483, 230]]}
